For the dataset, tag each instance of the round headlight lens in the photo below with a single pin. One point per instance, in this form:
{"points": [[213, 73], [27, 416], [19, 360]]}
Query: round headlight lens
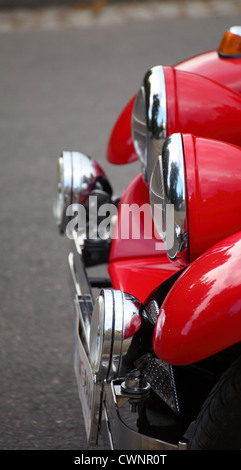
{"points": [[168, 192], [157, 199]]}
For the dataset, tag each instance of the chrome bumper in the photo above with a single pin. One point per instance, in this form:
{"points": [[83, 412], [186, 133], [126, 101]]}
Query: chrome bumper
{"points": [[103, 403], [122, 433]]}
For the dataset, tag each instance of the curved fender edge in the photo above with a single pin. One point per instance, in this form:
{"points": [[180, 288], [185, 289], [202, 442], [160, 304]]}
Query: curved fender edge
{"points": [[201, 314]]}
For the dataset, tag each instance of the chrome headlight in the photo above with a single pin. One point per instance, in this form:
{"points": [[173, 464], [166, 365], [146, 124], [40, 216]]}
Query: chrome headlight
{"points": [[168, 190], [77, 175], [149, 120], [62, 190], [114, 321]]}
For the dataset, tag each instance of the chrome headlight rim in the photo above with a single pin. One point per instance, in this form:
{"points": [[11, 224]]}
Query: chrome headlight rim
{"points": [[170, 169], [109, 344], [62, 197], [149, 119], [77, 175]]}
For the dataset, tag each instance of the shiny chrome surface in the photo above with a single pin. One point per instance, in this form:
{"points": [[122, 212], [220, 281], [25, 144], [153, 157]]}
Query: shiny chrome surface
{"points": [[63, 189], [90, 391], [101, 335], [77, 174], [155, 91], [149, 120], [103, 322], [167, 188], [82, 293], [125, 435], [112, 313]]}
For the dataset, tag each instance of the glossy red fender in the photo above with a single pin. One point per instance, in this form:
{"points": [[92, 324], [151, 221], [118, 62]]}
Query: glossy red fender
{"points": [[120, 147], [225, 71], [201, 314], [202, 107], [213, 188]]}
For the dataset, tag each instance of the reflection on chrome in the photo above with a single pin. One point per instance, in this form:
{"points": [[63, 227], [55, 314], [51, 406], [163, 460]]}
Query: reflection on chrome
{"points": [[77, 175], [155, 91], [149, 119], [168, 188], [109, 339]]}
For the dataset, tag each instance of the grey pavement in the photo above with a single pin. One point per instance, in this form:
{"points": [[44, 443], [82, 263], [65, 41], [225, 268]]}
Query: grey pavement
{"points": [[62, 89], [100, 13]]}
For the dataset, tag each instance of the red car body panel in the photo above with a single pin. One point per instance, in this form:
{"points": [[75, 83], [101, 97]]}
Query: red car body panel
{"points": [[124, 243], [201, 314], [213, 186], [211, 65], [140, 276], [138, 265], [202, 107]]}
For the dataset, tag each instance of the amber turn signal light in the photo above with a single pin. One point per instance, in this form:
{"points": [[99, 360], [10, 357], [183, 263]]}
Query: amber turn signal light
{"points": [[230, 45]]}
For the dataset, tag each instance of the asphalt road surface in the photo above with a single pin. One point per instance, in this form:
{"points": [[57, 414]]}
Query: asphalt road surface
{"points": [[62, 89]]}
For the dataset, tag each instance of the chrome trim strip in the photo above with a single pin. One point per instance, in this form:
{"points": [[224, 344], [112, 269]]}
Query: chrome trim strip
{"points": [[77, 176], [155, 94], [156, 115], [175, 191], [83, 297], [168, 189], [90, 392]]}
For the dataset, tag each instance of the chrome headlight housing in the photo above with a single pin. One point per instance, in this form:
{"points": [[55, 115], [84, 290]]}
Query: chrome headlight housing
{"points": [[62, 188], [77, 175], [115, 318], [149, 120], [168, 191]]}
